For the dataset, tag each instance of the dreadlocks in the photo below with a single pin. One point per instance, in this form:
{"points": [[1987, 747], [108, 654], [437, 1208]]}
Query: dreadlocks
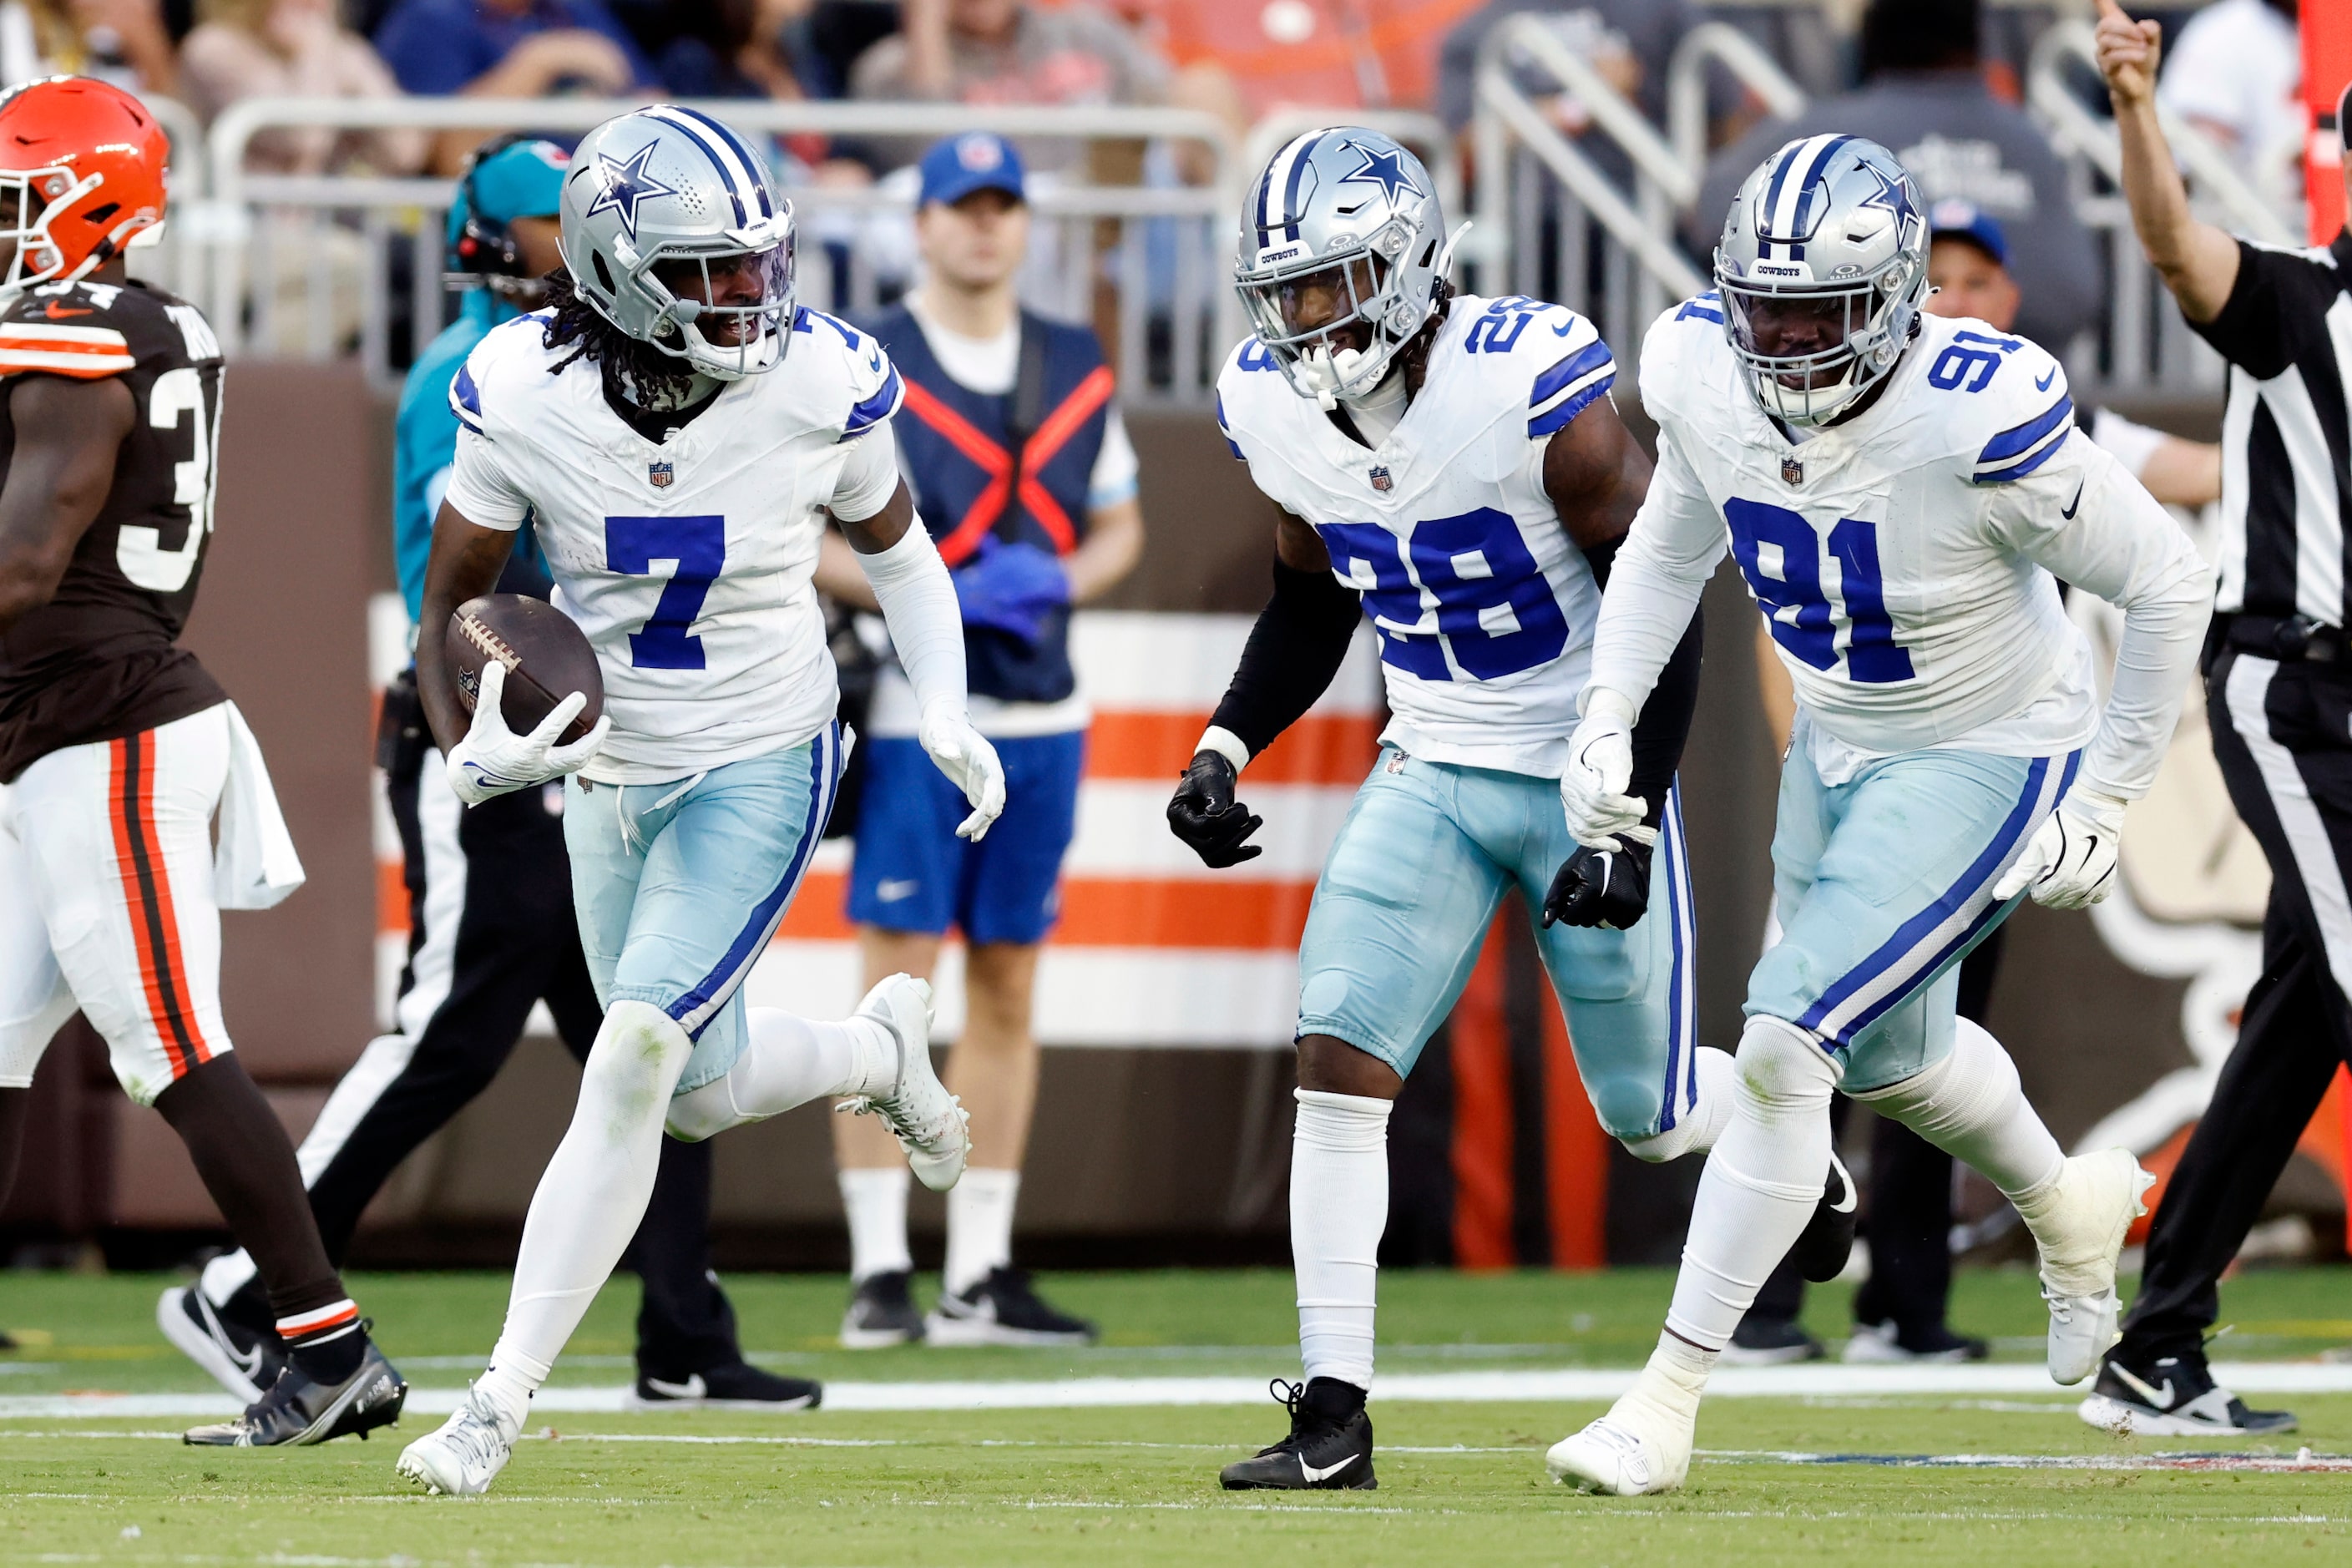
{"points": [[634, 372]]}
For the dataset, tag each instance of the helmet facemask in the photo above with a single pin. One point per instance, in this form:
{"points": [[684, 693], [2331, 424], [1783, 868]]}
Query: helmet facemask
{"points": [[1333, 323], [746, 332], [31, 200]]}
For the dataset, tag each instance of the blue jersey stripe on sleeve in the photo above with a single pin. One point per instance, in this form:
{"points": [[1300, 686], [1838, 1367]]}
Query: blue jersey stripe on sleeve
{"points": [[877, 408], [1592, 356], [1226, 430], [2022, 437], [464, 394], [1557, 416]]}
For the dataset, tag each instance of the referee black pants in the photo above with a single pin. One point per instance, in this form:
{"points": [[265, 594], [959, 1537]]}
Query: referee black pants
{"points": [[491, 931], [2283, 735]]}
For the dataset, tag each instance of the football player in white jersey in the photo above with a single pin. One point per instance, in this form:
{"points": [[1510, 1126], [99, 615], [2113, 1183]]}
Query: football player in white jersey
{"points": [[1453, 467], [1899, 490], [678, 487]]}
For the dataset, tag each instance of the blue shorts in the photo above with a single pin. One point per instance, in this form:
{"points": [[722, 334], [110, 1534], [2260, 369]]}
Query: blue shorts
{"points": [[1883, 884], [912, 873], [680, 885], [1405, 903]]}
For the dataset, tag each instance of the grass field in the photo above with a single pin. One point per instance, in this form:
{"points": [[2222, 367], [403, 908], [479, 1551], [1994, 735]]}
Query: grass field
{"points": [[1462, 1482]]}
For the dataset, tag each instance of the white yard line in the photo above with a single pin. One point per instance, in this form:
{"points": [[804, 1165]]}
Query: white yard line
{"points": [[1818, 1380]]}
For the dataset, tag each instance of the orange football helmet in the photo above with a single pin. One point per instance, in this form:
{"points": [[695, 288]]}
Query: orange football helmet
{"points": [[81, 171]]}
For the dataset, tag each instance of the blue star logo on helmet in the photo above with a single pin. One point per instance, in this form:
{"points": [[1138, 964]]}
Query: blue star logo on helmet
{"points": [[626, 185], [1892, 196], [1384, 167]]}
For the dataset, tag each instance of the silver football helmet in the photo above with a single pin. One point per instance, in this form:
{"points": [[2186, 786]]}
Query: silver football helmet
{"points": [[662, 198], [1822, 267], [1341, 251]]}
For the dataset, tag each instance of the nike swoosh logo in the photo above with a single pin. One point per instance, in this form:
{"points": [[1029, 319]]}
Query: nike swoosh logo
{"points": [[2074, 506], [1326, 1472], [692, 1388], [1563, 329], [2042, 384], [2160, 1396], [57, 312], [890, 892]]}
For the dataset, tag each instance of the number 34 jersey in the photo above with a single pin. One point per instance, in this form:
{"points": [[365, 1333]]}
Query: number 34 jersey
{"points": [[1898, 558], [1483, 606], [689, 563], [99, 661]]}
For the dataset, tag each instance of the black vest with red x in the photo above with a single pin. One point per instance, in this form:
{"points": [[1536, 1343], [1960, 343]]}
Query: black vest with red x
{"points": [[955, 447]]}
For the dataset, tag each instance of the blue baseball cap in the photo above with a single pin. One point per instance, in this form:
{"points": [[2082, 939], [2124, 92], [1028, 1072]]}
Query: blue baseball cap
{"points": [[523, 180], [1953, 218], [976, 160]]}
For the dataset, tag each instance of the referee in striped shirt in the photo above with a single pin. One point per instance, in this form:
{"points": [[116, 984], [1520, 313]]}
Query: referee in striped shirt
{"points": [[2279, 693]]}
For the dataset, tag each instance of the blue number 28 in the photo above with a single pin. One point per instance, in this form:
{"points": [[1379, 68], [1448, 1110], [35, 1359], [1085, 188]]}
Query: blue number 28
{"points": [[1798, 604], [697, 547]]}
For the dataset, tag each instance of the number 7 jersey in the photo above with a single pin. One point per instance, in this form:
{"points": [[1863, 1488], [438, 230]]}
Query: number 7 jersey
{"points": [[1483, 606], [1894, 557]]}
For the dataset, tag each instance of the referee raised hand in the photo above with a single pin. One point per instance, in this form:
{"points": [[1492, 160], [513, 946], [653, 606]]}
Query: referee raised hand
{"points": [[2279, 692]]}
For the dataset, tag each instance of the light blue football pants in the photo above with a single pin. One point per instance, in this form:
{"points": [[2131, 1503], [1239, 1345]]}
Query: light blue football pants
{"points": [[1883, 884], [678, 886], [1406, 897]]}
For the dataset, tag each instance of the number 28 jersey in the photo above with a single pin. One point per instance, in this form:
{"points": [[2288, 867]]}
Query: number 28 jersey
{"points": [[1483, 606], [689, 563], [1894, 557], [99, 660]]}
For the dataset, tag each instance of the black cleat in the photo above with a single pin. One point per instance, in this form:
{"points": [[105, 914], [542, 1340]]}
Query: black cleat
{"points": [[1827, 1241], [738, 1385], [2173, 1397], [1330, 1447], [1771, 1342], [297, 1412], [881, 1313], [241, 1358], [1004, 1308]]}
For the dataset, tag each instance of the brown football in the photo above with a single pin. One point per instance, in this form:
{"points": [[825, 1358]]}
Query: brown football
{"points": [[547, 658]]}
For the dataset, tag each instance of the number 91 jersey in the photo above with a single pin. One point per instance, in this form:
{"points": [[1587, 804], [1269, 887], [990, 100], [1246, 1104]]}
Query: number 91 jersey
{"points": [[689, 563], [1893, 554], [1483, 606]]}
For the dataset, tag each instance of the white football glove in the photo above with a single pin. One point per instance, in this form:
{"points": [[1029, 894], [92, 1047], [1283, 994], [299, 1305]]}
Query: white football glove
{"points": [[1599, 769], [492, 759], [2069, 861], [970, 762]]}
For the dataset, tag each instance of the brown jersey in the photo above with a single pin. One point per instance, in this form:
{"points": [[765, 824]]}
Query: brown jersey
{"points": [[99, 661]]}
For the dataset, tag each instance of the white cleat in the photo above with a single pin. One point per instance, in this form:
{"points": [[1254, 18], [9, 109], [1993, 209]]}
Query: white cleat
{"points": [[1635, 1450], [929, 1123], [465, 1456], [2098, 1196]]}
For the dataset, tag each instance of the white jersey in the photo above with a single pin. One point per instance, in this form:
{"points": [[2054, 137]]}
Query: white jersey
{"points": [[1902, 559], [688, 562], [1482, 605]]}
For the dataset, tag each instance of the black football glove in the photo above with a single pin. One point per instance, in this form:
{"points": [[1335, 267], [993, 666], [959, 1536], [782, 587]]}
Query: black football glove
{"points": [[1203, 814], [1609, 888]]}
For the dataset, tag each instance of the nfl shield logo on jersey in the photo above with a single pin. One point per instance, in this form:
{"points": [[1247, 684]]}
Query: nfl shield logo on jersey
{"points": [[1792, 472], [1380, 481], [660, 475]]}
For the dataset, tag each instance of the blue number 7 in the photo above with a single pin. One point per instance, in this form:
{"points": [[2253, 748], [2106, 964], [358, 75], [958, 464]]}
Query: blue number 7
{"points": [[698, 546]]}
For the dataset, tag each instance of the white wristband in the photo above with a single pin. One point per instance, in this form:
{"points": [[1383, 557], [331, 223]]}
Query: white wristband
{"points": [[1225, 744]]}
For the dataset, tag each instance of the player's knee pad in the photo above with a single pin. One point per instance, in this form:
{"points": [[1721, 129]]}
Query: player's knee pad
{"points": [[1971, 1087], [636, 1058], [1784, 1068], [1701, 1121]]}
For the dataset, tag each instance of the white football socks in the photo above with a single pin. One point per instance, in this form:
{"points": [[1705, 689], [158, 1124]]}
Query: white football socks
{"points": [[876, 1203], [1971, 1106], [1702, 1124], [1761, 1183], [788, 1060], [590, 1199], [980, 1226], [1339, 1207]]}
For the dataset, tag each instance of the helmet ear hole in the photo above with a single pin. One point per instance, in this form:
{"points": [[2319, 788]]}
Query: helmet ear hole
{"points": [[603, 273]]}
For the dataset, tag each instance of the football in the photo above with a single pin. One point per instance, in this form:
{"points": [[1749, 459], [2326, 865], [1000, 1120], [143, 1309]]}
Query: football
{"points": [[547, 658]]}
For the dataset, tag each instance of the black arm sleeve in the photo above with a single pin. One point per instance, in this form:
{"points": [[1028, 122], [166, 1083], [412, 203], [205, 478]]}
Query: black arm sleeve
{"points": [[1666, 721], [1294, 649]]}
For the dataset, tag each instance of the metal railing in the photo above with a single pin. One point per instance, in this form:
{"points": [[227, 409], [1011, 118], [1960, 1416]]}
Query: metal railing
{"points": [[321, 266]]}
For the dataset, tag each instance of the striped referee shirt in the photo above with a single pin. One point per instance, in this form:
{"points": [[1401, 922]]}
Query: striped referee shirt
{"points": [[2286, 332]]}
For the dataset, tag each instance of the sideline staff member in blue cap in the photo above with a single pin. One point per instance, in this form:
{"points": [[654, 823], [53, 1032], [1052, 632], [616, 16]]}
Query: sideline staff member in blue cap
{"points": [[489, 891], [1025, 477]]}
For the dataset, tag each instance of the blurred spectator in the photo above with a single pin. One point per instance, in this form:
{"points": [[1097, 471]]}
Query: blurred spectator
{"points": [[742, 50], [506, 49], [1630, 44], [2236, 74], [1925, 98], [123, 42], [1008, 52], [293, 48], [1322, 54]]}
